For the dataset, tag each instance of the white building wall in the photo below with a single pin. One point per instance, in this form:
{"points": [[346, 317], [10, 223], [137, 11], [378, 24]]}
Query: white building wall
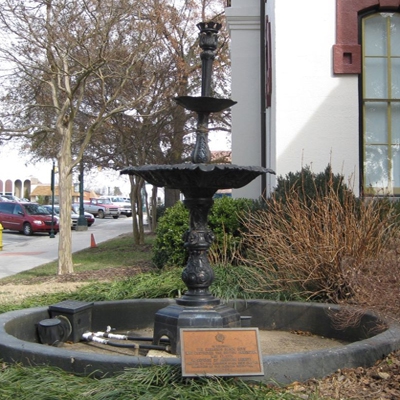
{"points": [[314, 115], [244, 25]]}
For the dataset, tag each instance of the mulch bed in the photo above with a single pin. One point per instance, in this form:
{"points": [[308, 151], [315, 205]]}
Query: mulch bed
{"points": [[382, 381]]}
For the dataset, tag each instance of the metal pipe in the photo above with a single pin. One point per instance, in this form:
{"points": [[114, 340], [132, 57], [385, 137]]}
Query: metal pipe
{"points": [[82, 222], [142, 346], [117, 336], [52, 201], [93, 337], [147, 339]]}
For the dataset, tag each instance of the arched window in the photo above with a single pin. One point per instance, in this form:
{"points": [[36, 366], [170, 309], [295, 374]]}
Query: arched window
{"points": [[356, 53], [8, 187], [380, 34]]}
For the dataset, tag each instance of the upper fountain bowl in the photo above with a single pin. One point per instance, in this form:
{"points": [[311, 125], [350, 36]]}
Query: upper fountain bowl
{"points": [[204, 104]]}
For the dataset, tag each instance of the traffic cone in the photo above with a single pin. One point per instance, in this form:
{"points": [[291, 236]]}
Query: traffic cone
{"points": [[92, 241]]}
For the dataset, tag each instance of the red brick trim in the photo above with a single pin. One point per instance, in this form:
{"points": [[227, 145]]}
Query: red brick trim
{"points": [[347, 59], [347, 50]]}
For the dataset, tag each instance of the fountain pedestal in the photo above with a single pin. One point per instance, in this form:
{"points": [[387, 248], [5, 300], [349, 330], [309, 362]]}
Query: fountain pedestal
{"points": [[169, 320], [197, 308]]}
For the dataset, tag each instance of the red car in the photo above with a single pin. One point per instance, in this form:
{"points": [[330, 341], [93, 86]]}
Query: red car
{"points": [[27, 218]]}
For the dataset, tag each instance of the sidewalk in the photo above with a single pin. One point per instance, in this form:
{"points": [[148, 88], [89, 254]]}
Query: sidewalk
{"points": [[21, 253]]}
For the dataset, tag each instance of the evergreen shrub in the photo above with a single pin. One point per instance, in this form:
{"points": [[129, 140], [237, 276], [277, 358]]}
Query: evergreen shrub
{"points": [[224, 220], [309, 185], [168, 247]]}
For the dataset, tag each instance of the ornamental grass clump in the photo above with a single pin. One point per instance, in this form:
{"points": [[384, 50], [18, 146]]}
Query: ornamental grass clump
{"points": [[315, 246]]}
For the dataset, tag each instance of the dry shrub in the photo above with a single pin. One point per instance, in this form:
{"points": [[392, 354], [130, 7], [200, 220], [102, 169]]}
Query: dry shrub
{"points": [[226, 250], [328, 248], [376, 283]]}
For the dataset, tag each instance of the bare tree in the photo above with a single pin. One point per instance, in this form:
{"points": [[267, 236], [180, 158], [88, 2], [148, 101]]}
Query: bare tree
{"points": [[69, 61], [85, 71], [177, 28], [157, 130]]}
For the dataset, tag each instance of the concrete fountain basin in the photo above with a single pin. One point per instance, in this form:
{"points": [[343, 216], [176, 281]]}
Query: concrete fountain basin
{"points": [[366, 343]]}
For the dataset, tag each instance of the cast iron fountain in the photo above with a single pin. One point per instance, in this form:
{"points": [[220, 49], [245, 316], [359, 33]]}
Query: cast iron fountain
{"points": [[198, 181], [23, 333]]}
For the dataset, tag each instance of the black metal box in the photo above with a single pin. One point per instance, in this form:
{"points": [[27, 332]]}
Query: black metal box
{"points": [[79, 314]]}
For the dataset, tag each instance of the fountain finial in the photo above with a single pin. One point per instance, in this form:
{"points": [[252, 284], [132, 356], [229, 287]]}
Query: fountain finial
{"points": [[208, 41]]}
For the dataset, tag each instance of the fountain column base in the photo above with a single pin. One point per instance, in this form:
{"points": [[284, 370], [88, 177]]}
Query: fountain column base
{"points": [[169, 320]]}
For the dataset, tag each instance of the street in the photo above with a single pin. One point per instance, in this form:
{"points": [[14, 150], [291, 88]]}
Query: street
{"points": [[22, 252]]}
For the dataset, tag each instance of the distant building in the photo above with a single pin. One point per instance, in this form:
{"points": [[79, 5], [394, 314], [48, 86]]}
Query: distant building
{"points": [[20, 187], [33, 190], [44, 192]]}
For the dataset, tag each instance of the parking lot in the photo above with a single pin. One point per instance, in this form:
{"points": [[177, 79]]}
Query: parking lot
{"points": [[22, 252]]}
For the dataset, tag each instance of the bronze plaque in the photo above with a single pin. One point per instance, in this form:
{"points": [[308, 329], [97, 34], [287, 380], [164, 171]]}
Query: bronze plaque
{"points": [[221, 352]]}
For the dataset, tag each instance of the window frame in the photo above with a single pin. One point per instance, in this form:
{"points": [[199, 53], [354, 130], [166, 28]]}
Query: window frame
{"points": [[388, 101]]}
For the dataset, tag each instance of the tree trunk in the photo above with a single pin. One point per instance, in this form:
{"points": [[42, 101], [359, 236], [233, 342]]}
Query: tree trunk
{"points": [[154, 204], [171, 197], [134, 213], [147, 207], [137, 209], [65, 264], [140, 210]]}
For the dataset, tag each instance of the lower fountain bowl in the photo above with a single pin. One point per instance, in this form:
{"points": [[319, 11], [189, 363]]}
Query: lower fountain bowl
{"points": [[367, 342]]}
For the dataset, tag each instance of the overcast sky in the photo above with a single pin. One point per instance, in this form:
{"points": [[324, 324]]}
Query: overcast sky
{"points": [[13, 166]]}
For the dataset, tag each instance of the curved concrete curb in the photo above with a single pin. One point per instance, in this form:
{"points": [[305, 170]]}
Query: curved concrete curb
{"points": [[19, 341], [369, 342]]}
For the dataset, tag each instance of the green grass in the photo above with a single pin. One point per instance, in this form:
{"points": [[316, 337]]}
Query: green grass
{"points": [[113, 253], [163, 383], [120, 252], [153, 285], [166, 382]]}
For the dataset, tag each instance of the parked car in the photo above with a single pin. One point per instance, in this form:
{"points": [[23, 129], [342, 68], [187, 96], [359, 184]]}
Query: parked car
{"points": [[125, 207], [27, 218], [10, 197], [49, 206], [74, 214], [102, 208]]}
